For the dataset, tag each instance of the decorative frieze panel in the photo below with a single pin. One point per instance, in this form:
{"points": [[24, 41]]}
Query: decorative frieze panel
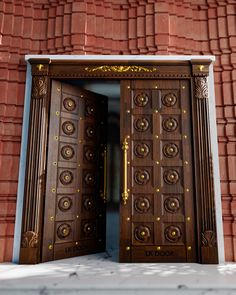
{"points": [[120, 69]]}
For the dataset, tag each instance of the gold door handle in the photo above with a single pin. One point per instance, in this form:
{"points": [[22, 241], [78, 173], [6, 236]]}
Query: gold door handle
{"points": [[125, 147], [103, 193]]}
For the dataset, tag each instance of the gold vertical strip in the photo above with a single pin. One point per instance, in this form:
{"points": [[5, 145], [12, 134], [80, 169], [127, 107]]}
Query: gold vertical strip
{"points": [[125, 147]]}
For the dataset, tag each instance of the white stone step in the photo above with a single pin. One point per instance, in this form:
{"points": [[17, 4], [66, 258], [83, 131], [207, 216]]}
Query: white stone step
{"points": [[101, 274]]}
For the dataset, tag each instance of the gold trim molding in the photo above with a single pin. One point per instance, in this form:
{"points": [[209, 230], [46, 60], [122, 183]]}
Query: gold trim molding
{"points": [[120, 69]]}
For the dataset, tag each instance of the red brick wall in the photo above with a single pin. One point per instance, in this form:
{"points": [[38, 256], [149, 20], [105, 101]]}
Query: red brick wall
{"points": [[114, 27]]}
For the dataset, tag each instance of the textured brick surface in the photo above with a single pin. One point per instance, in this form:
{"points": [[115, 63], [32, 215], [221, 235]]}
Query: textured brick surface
{"points": [[115, 27]]}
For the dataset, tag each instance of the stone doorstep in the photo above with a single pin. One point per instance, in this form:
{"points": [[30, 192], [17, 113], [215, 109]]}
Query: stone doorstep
{"points": [[46, 291], [101, 274]]}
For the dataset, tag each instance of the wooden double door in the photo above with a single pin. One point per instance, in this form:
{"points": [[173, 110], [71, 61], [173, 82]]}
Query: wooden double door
{"points": [[167, 207], [157, 211]]}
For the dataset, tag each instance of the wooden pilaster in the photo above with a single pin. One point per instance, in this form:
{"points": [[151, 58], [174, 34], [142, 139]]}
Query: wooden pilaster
{"points": [[207, 241], [30, 250]]}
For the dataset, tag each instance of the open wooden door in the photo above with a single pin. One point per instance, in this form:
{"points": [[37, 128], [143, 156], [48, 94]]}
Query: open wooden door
{"points": [[157, 205], [74, 215]]}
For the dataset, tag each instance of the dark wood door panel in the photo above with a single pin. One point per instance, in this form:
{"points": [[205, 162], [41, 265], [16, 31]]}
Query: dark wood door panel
{"points": [[158, 221], [74, 219]]}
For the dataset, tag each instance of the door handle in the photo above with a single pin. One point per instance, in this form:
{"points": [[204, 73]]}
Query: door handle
{"points": [[125, 147], [105, 176], [103, 193]]}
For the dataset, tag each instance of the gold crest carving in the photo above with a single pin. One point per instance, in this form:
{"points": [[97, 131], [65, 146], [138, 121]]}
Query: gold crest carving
{"points": [[120, 69]]}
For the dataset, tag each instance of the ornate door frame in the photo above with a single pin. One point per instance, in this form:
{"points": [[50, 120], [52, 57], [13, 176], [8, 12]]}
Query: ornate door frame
{"points": [[44, 68]]}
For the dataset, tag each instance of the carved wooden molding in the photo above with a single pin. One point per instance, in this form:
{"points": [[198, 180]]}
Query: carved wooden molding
{"points": [[209, 239], [40, 68], [204, 177], [200, 69], [30, 239], [201, 88], [109, 75], [39, 87], [117, 69], [120, 69], [35, 169]]}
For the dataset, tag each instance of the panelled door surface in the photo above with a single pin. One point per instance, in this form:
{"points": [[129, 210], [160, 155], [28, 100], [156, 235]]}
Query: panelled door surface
{"points": [[74, 219], [157, 202]]}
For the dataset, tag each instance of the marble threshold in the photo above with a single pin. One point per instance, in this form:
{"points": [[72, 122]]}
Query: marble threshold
{"points": [[101, 274]]}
